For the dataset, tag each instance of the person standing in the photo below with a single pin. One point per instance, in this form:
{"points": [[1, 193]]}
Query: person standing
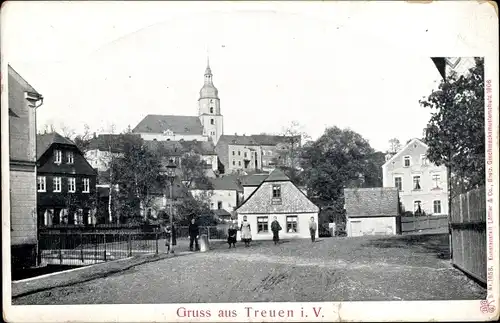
{"points": [[194, 232], [231, 236], [246, 234], [313, 226], [276, 228], [170, 231]]}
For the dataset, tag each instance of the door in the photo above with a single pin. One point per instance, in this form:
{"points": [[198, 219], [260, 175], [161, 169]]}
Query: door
{"points": [[355, 227]]}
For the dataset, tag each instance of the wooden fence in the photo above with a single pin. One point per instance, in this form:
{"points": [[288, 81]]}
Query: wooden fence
{"points": [[424, 224], [468, 233]]}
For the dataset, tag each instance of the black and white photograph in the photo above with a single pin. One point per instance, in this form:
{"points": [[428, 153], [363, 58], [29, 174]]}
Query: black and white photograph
{"points": [[249, 161]]}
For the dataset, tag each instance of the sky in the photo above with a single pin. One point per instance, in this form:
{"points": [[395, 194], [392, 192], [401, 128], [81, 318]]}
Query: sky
{"points": [[356, 65]]}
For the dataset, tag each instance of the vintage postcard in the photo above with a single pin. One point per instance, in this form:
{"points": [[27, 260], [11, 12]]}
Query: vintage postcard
{"points": [[250, 161]]}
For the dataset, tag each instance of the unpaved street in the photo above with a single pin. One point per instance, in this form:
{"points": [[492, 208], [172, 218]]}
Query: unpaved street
{"points": [[332, 269]]}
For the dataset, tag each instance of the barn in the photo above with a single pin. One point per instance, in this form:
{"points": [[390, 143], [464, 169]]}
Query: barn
{"points": [[372, 211]]}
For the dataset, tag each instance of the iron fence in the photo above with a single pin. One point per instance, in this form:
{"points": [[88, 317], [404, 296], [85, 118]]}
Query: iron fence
{"points": [[86, 248]]}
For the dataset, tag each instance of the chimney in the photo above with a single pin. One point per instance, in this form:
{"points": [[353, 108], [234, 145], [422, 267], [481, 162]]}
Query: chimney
{"points": [[95, 135]]}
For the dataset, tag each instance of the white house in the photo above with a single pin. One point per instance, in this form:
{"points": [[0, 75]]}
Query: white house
{"points": [[278, 197], [225, 195], [422, 185], [251, 182], [372, 211]]}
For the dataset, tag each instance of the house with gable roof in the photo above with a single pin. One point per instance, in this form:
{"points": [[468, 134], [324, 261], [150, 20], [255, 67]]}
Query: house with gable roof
{"points": [[66, 183], [278, 197], [422, 185]]}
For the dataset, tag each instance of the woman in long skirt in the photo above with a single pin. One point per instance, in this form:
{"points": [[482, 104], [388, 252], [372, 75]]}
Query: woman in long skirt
{"points": [[246, 234]]}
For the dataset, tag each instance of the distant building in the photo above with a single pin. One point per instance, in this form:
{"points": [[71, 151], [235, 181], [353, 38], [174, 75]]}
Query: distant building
{"points": [[225, 195], [421, 184], [23, 102], [103, 148], [66, 183], [372, 211], [278, 196], [254, 152], [208, 125], [251, 182]]}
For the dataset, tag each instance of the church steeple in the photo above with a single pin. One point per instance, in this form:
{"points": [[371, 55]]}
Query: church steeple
{"points": [[209, 107], [208, 91]]}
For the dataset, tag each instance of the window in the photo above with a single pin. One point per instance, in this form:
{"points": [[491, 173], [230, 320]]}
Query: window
{"points": [[263, 153], [239, 162], [234, 163], [86, 185], [417, 207], [245, 154], [262, 224], [239, 153], [436, 180], [423, 160], [233, 152], [398, 183], [276, 191], [437, 207], [416, 183], [211, 110], [70, 157], [57, 184], [72, 185], [41, 187], [212, 121], [219, 205], [57, 156], [406, 161], [291, 224]]}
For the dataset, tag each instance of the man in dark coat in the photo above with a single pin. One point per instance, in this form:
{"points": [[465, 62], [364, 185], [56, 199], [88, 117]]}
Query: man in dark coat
{"points": [[276, 228], [194, 232]]}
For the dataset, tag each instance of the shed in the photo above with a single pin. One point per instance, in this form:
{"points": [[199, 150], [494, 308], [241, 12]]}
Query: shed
{"points": [[372, 211]]}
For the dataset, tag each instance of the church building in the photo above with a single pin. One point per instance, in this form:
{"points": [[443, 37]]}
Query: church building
{"points": [[207, 126]]}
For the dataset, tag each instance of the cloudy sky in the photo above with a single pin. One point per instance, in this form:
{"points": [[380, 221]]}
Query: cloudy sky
{"points": [[350, 64]]}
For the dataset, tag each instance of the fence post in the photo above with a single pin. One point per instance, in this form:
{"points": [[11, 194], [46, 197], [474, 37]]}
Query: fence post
{"points": [[60, 249], [208, 233], [95, 248], [81, 247], [156, 238], [129, 244], [428, 221], [105, 249]]}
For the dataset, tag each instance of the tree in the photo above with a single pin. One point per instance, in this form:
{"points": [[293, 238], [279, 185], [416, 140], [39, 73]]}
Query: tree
{"points": [[193, 170], [82, 141], [338, 159], [394, 146], [455, 131], [137, 172]]}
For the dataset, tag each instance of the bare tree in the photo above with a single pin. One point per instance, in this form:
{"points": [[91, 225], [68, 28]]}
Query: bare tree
{"points": [[394, 145]]}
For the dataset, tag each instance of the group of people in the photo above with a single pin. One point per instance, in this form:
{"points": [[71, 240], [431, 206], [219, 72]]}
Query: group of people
{"points": [[246, 233], [193, 231]]}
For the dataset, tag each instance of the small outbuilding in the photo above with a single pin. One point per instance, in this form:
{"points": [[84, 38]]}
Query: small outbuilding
{"points": [[372, 211], [277, 196]]}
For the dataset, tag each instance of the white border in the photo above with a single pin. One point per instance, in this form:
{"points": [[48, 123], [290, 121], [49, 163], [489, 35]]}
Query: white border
{"points": [[478, 43]]}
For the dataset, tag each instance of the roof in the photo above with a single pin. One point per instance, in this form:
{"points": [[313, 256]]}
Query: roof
{"points": [[182, 146], [404, 148], [277, 175], [44, 141], [293, 200], [182, 125], [371, 202], [221, 213], [105, 142], [224, 183], [255, 140], [253, 180], [27, 87]]}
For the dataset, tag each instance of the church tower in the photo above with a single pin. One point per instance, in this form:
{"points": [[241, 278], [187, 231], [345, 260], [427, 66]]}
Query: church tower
{"points": [[209, 108]]}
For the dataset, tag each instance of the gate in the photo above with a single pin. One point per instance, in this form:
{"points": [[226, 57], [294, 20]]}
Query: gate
{"points": [[468, 233]]}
